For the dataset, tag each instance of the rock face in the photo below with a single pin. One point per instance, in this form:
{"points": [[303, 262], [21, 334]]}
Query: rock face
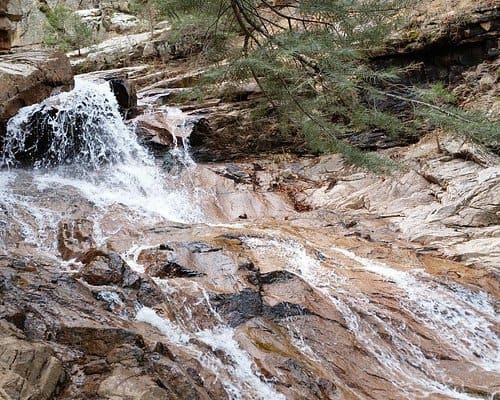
{"points": [[246, 312], [125, 94], [446, 37], [7, 25], [118, 51], [107, 18], [28, 370], [29, 77]]}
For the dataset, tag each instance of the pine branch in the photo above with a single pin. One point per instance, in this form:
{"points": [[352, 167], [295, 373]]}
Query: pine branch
{"points": [[429, 105]]}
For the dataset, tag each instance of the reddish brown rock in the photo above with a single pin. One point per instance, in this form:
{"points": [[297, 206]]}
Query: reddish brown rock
{"points": [[102, 268]]}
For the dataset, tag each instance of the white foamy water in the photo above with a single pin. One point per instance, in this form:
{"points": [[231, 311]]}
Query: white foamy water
{"points": [[237, 371], [82, 127], [93, 156], [238, 376], [170, 330], [34, 220], [462, 318]]}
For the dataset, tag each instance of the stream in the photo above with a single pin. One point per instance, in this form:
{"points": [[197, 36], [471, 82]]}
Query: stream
{"points": [[268, 307]]}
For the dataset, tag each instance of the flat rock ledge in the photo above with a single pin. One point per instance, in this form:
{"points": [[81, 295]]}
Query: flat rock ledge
{"points": [[28, 77]]}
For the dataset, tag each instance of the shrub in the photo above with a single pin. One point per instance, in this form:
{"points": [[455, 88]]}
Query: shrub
{"points": [[66, 30]]}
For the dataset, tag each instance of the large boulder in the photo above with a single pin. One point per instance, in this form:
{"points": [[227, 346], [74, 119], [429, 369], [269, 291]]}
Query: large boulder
{"points": [[165, 127], [29, 77]]}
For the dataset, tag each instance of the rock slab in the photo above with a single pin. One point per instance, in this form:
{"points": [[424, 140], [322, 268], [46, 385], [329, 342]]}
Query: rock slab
{"points": [[29, 77]]}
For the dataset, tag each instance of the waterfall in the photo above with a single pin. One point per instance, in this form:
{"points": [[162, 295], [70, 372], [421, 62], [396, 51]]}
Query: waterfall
{"points": [[72, 157], [82, 127], [463, 320], [79, 147], [239, 379]]}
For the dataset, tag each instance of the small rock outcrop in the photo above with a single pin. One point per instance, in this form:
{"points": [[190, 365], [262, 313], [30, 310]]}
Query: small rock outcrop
{"points": [[29, 77], [124, 91], [27, 370]]}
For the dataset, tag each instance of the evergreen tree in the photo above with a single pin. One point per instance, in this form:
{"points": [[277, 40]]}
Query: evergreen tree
{"points": [[312, 59]]}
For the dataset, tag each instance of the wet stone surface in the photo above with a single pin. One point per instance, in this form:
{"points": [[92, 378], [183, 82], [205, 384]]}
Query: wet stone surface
{"points": [[133, 283]]}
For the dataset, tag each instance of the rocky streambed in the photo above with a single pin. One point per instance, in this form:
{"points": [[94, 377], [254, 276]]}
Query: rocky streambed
{"points": [[125, 276]]}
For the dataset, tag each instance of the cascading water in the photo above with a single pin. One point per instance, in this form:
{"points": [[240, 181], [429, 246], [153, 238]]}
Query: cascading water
{"points": [[463, 320], [87, 165], [79, 146], [81, 150], [82, 127]]}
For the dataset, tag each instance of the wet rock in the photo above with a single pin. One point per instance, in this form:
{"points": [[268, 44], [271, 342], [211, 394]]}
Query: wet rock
{"points": [[201, 131], [186, 383], [124, 91], [98, 341], [276, 277], [29, 77], [102, 268], [285, 310], [114, 302], [127, 383], [149, 293], [240, 307], [162, 349], [195, 258], [74, 238], [157, 129], [247, 304], [126, 354], [172, 270]]}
